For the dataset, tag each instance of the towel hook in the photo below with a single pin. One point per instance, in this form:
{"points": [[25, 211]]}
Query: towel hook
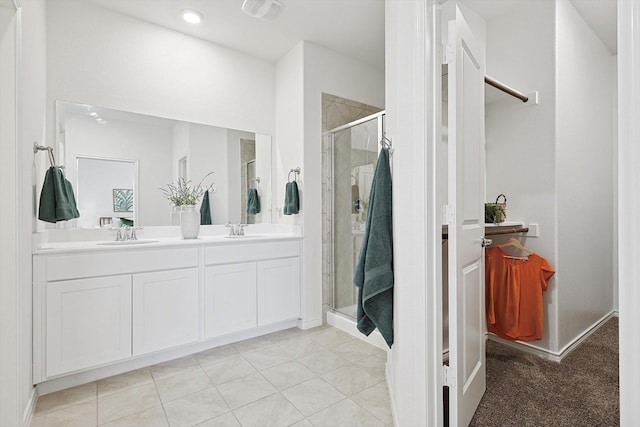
{"points": [[386, 143], [296, 171], [256, 181]]}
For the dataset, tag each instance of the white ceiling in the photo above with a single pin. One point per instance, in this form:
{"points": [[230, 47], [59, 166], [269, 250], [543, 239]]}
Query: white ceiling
{"points": [[600, 15], [352, 27]]}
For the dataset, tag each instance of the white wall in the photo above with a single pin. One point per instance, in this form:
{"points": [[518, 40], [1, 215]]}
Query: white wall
{"points": [[629, 208], [584, 161], [9, 293], [415, 365], [106, 59], [289, 124], [614, 190], [520, 137], [288, 154], [22, 85], [32, 120]]}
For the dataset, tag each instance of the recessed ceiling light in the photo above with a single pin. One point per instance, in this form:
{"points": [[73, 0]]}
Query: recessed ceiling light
{"points": [[192, 16]]}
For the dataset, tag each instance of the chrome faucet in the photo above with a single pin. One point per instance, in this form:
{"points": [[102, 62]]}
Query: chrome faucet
{"points": [[235, 230], [126, 233]]}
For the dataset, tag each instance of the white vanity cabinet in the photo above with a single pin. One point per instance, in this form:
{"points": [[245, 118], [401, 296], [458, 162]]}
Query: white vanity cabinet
{"points": [[259, 291], [100, 312], [93, 308], [88, 322], [165, 309]]}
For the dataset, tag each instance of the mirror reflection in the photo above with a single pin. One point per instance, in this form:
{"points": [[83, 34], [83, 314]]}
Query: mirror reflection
{"points": [[105, 150]]}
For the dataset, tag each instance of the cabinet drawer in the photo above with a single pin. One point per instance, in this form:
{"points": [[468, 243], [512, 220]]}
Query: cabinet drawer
{"points": [[67, 266], [250, 252]]}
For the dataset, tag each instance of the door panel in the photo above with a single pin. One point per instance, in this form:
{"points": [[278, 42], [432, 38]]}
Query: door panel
{"points": [[165, 309], [229, 299], [88, 323], [466, 223]]}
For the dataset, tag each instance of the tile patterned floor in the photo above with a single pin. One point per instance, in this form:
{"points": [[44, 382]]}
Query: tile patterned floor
{"points": [[314, 378]]}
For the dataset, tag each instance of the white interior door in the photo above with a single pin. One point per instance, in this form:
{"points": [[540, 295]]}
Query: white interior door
{"points": [[467, 368]]}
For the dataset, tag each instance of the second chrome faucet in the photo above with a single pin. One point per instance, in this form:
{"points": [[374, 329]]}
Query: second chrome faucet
{"points": [[236, 230]]}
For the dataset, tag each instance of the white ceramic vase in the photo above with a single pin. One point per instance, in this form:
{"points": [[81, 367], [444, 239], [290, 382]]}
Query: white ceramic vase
{"points": [[190, 222]]}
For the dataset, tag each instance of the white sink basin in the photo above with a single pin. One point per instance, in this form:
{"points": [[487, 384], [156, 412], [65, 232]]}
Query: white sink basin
{"points": [[127, 243]]}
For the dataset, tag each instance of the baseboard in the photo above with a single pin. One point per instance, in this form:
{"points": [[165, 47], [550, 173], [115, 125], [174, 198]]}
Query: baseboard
{"points": [[309, 324], [525, 348], [586, 334], [31, 406], [552, 355]]}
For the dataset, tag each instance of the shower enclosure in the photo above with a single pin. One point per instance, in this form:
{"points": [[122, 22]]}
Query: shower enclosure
{"points": [[351, 158]]}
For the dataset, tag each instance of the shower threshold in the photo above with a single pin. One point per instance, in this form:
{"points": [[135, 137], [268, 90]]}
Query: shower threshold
{"points": [[347, 323]]}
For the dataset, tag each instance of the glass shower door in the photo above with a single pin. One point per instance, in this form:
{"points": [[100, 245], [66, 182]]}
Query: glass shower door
{"points": [[353, 156]]}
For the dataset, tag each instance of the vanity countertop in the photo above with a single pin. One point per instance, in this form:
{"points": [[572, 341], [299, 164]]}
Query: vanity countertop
{"points": [[160, 242]]}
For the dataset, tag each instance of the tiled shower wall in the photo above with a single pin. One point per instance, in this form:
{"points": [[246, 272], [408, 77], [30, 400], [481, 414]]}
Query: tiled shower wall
{"points": [[336, 111]]}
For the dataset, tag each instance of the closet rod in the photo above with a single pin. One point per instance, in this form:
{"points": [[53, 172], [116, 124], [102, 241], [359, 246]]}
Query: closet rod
{"points": [[488, 80]]}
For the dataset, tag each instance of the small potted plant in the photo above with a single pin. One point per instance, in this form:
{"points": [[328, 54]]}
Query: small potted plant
{"points": [[184, 197], [496, 213]]}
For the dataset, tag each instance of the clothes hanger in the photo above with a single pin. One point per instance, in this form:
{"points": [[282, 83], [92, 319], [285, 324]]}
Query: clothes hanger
{"points": [[515, 243]]}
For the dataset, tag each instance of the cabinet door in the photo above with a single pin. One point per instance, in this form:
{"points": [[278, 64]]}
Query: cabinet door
{"points": [[229, 298], [88, 323], [165, 309], [278, 290]]}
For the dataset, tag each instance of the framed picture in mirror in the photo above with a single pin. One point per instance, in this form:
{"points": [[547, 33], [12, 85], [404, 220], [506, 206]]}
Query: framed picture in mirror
{"points": [[122, 200]]}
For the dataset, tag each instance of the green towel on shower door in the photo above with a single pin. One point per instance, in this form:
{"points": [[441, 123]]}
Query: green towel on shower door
{"points": [[57, 202], [374, 272]]}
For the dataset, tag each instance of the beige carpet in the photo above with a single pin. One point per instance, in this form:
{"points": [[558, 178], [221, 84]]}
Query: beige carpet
{"points": [[526, 390]]}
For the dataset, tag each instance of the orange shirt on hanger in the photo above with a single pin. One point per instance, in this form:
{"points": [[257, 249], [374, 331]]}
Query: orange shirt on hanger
{"points": [[514, 294]]}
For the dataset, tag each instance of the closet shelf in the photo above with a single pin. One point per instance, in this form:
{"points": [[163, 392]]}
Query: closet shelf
{"points": [[505, 229], [494, 230]]}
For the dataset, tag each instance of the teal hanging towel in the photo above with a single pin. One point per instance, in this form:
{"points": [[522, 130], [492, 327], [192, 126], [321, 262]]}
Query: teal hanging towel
{"points": [[291, 198], [57, 202], [253, 201], [374, 272], [205, 210]]}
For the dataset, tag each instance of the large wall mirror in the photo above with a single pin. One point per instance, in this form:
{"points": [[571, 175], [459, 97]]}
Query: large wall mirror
{"points": [[139, 154]]}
